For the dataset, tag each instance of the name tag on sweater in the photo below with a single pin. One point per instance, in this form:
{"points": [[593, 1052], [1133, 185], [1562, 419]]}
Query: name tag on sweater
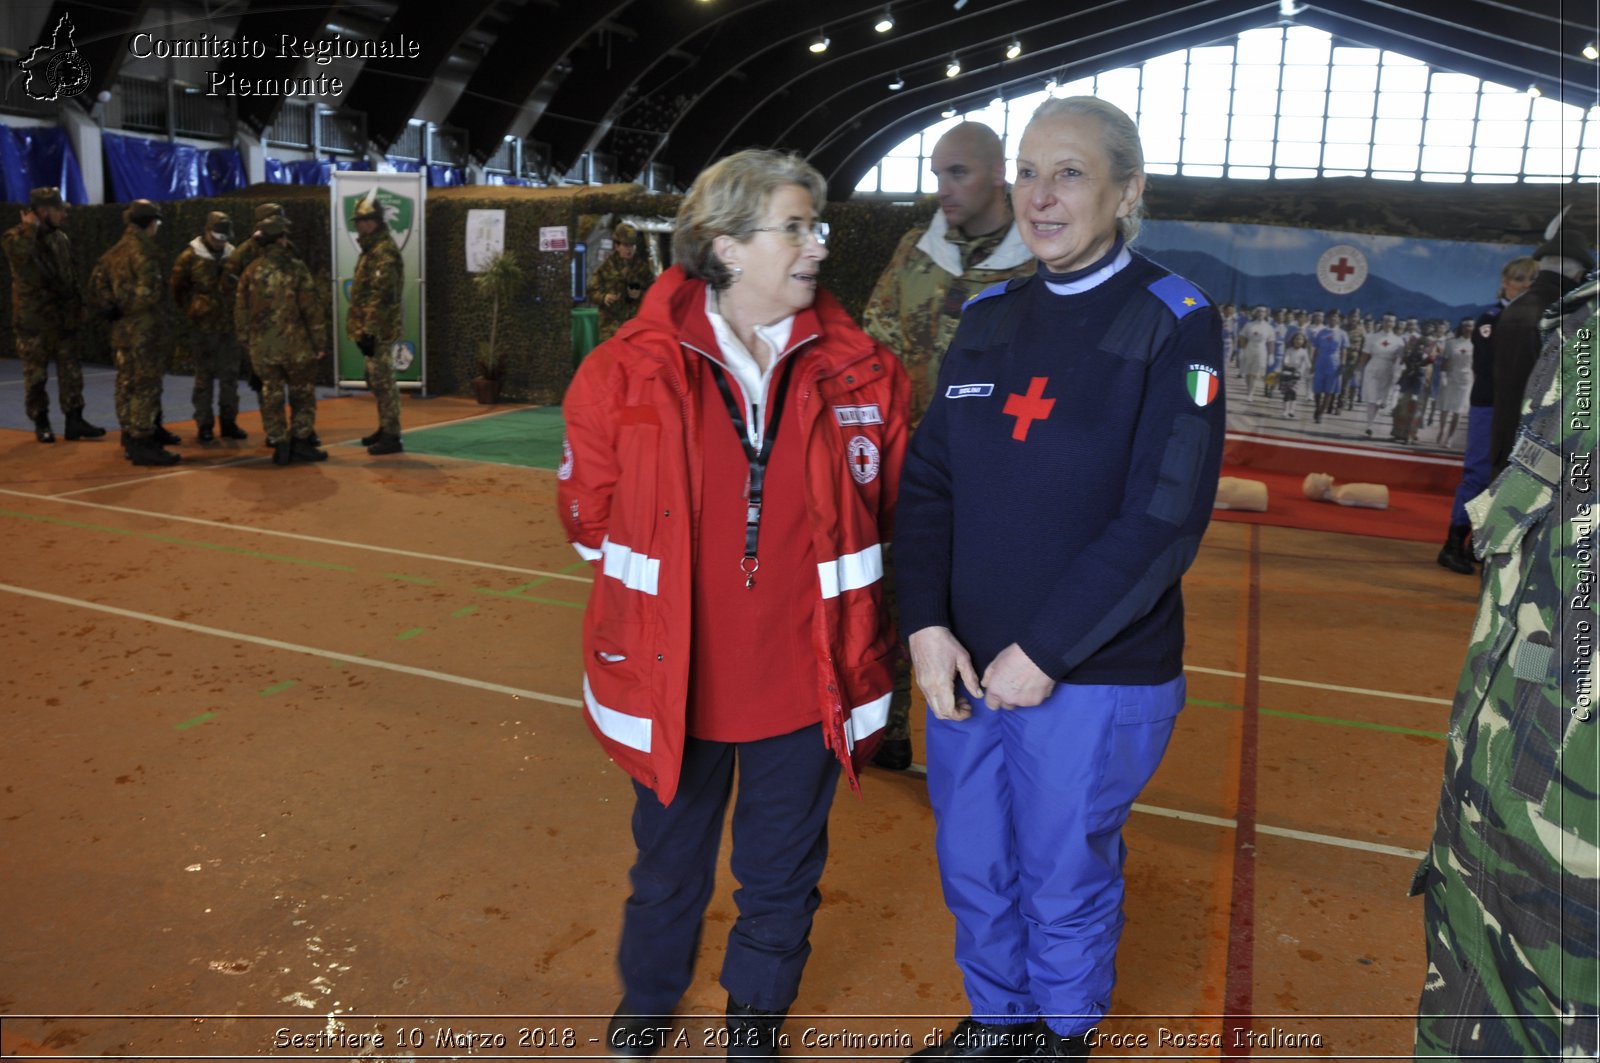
{"points": [[969, 391], [849, 415]]}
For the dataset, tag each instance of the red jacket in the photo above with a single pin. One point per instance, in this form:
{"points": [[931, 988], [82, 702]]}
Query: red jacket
{"points": [[629, 496]]}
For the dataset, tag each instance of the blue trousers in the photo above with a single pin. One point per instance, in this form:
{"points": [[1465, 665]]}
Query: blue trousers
{"points": [[1474, 463], [1029, 805], [780, 843]]}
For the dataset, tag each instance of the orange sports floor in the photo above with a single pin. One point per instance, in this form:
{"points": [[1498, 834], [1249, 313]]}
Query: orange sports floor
{"points": [[292, 764]]}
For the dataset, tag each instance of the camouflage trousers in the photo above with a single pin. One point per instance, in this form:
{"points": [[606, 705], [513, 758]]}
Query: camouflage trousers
{"points": [[36, 349], [138, 391], [216, 367], [296, 380], [380, 381]]}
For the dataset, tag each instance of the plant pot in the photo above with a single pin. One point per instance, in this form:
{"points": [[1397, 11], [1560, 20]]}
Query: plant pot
{"points": [[487, 389]]}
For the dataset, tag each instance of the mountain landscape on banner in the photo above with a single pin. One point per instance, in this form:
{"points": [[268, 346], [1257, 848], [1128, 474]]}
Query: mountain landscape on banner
{"points": [[1255, 265]]}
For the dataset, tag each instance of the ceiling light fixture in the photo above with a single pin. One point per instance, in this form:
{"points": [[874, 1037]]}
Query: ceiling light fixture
{"points": [[948, 112], [885, 22], [1591, 51], [1013, 49], [953, 68], [1533, 90], [819, 43], [898, 83]]}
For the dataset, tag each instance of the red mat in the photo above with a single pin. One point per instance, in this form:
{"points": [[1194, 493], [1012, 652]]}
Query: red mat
{"points": [[1416, 515]]}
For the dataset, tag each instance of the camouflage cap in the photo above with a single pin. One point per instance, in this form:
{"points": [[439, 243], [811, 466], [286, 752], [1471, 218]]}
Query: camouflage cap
{"points": [[45, 197], [276, 225], [1568, 243], [368, 209], [141, 212], [625, 234], [267, 210], [219, 224]]}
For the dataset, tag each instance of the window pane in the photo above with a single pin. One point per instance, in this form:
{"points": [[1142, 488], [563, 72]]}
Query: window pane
{"points": [[900, 175], [1504, 105], [1305, 78], [1589, 163], [1250, 153], [1401, 104], [1214, 56], [1303, 104], [1399, 131], [1080, 87], [1160, 148], [1346, 104], [1203, 151], [1551, 160], [1448, 133], [1190, 170], [909, 148], [1250, 173], [1303, 45], [1263, 103], [869, 183], [1445, 178], [1453, 83], [1443, 157], [1347, 157], [1299, 154], [1394, 156], [1261, 46], [1254, 127], [1348, 131], [1210, 77], [1452, 106], [1207, 102], [1292, 174], [1497, 160], [1502, 134], [1256, 79], [1402, 75], [1349, 77], [1207, 126]]}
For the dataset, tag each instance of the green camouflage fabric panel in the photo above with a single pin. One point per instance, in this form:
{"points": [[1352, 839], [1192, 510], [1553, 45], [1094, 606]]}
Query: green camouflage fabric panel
{"points": [[246, 253], [202, 289], [278, 313], [130, 276], [376, 291], [216, 367], [36, 349], [915, 306], [627, 281], [296, 383], [1511, 878], [44, 287]]}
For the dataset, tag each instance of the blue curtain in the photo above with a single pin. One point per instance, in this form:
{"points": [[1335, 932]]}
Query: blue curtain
{"points": [[504, 179], [309, 171], [445, 177], [36, 156], [164, 171], [404, 165]]}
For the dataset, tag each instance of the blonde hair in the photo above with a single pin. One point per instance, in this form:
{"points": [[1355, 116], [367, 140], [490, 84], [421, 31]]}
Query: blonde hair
{"points": [[1118, 135], [729, 198], [1518, 271]]}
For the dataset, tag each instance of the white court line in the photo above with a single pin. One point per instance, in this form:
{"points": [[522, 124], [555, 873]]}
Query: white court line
{"points": [[292, 647], [302, 538], [554, 699], [162, 476], [1320, 686]]}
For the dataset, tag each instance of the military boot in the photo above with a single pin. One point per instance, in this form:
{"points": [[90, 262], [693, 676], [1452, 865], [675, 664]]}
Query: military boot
{"points": [[78, 428], [41, 429], [972, 1039], [282, 453], [231, 430], [123, 441], [371, 437], [1058, 1047], [752, 1034], [149, 452], [386, 443], [203, 433], [163, 437], [1454, 555], [305, 450]]}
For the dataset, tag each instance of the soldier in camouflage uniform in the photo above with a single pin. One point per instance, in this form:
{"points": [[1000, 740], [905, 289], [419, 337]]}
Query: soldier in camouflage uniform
{"points": [[127, 287], [280, 317], [1511, 878], [914, 308], [203, 291], [240, 261], [46, 309], [620, 282], [374, 322]]}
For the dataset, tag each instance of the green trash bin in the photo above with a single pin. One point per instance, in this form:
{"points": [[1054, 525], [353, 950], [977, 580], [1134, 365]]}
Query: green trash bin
{"points": [[585, 332]]}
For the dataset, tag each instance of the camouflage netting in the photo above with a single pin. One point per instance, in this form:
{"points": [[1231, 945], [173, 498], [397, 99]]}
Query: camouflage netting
{"points": [[536, 326]]}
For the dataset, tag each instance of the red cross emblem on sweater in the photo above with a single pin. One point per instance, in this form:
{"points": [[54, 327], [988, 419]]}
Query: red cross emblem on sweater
{"points": [[1029, 408]]}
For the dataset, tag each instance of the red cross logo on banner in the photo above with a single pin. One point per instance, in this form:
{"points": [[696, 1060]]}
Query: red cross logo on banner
{"points": [[1341, 269], [1029, 408]]}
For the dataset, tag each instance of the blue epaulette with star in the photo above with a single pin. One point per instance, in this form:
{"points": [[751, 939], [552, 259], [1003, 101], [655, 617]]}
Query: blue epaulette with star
{"points": [[1179, 295]]}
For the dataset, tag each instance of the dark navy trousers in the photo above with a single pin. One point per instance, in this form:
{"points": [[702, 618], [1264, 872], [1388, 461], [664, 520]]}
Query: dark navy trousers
{"points": [[1475, 465], [780, 843], [1029, 805]]}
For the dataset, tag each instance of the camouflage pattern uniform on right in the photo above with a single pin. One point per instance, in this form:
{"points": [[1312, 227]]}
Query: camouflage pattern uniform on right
{"points": [[236, 263], [374, 322], [1510, 880], [620, 282], [280, 316], [128, 286], [203, 290]]}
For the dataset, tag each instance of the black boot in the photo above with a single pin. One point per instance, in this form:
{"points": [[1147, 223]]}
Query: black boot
{"points": [[149, 452], [163, 437], [305, 450], [972, 1039], [637, 1036], [752, 1034], [894, 754], [78, 428], [371, 438], [1454, 555], [203, 433], [282, 453], [41, 429], [123, 441], [386, 444], [1058, 1047], [231, 429]]}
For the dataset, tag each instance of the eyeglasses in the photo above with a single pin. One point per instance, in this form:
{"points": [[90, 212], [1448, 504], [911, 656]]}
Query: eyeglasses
{"points": [[796, 232]]}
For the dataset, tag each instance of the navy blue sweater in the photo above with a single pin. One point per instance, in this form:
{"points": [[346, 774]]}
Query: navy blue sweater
{"points": [[1065, 472]]}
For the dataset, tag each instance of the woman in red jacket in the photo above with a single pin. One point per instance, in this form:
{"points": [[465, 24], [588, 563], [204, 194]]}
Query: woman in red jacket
{"points": [[731, 462]]}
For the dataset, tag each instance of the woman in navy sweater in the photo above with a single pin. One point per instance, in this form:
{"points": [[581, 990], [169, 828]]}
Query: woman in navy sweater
{"points": [[1049, 506]]}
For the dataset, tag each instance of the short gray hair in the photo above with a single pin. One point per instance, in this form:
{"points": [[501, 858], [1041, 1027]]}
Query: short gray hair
{"points": [[729, 198], [1118, 135]]}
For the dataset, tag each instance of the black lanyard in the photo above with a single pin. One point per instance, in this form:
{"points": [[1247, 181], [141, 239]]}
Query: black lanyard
{"points": [[757, 459]]}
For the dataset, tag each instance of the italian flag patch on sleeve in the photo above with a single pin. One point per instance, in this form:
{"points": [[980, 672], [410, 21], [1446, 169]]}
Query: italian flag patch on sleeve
{"points": [[1203, 384]]}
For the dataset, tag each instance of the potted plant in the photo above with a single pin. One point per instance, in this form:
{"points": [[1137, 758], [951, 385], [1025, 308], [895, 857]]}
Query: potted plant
{"points": [[498, 282]]}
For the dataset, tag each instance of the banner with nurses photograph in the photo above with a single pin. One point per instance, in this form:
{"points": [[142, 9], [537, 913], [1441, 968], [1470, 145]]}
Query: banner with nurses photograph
{"points": [[1384, 362]]}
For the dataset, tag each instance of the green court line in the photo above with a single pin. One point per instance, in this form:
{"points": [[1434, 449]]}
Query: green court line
{"points": [[409, 633], [194, 721], [176, 541], [575, 566], [465, 610], [1331, 721], [421, 581], [532, 598], [278, 688]]}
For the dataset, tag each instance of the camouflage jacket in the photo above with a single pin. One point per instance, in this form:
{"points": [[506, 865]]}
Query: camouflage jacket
{"points": [[44, 288], [235, 265], [617, 277], [916, 304], [202, 286], [278, 312], [377, 290], [1516, 848], [128, 278]]}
